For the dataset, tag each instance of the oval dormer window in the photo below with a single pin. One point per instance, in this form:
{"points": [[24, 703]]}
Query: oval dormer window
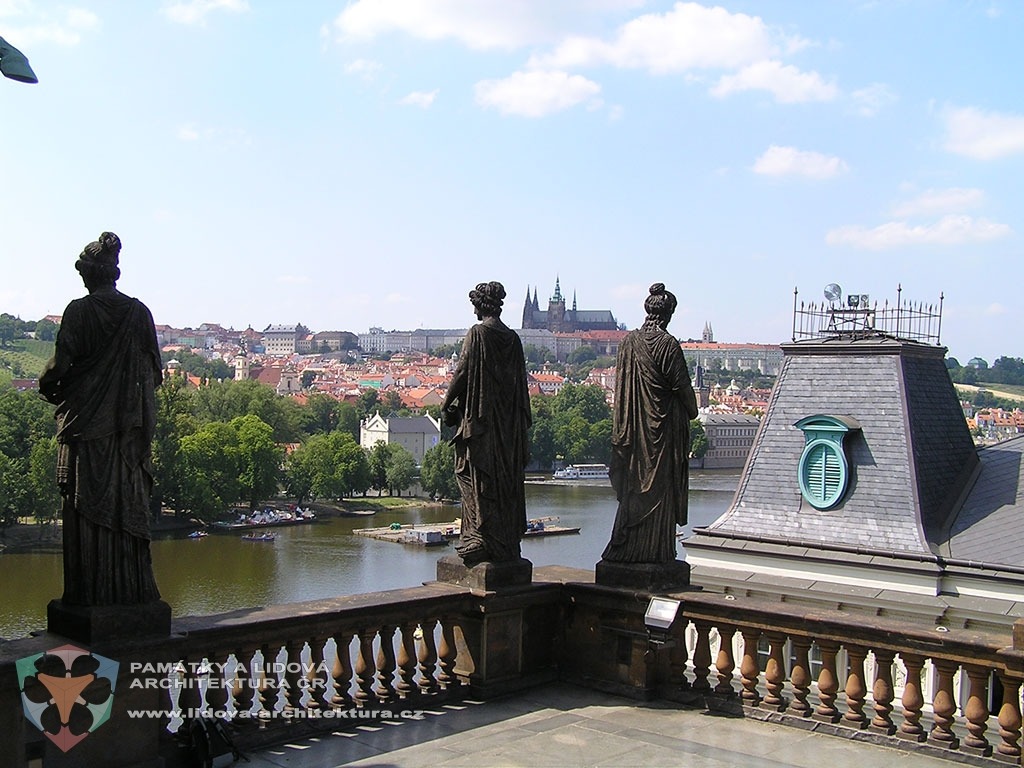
{"points": [[823, 471], [822, 474]]}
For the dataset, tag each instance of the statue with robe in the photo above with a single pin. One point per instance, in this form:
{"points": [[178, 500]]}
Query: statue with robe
{"points": [[654, 402], [102, 378], [489, 405]]}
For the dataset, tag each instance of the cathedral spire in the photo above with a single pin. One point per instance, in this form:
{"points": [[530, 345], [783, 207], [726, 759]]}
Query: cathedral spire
{"points": [[574, 301], [558, 290]]}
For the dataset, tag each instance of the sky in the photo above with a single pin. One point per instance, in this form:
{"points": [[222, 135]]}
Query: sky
{"points": [[366, 163]]}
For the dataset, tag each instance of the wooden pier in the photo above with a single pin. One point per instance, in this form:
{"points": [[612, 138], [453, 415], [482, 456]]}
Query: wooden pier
{"points": [[439, 534]]}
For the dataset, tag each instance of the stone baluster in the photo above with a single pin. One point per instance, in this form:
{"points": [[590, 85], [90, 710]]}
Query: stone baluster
{"points": [[1009, 721], [446, 654], [856, 688], [725, 664], [882, 692], [270, 683], [216, 683], [913, 700], [749, 669], [190, 699], [944, 706], [976, 712], [427, 657], [775, 673], [828, 683], [316, 675], [342, 671], [385, 689], [702, 657], [800, 677], [678, 654], [293, 688], [406, 686], [365, 667], [244, 691]]}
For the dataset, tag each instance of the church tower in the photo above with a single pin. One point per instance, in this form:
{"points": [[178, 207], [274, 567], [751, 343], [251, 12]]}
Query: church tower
{"points": [[708, 336], [556, 310]]}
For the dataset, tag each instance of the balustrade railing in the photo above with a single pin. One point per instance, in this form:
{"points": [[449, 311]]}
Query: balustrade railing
{"points": [[954, 690], [329, 661]]}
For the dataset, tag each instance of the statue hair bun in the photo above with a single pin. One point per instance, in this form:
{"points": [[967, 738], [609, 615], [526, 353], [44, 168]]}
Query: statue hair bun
{"points": [[657, 288]]}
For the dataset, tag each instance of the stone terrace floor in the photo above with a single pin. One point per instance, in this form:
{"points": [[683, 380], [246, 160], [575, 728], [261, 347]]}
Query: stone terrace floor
{"points": [[562, 725]]}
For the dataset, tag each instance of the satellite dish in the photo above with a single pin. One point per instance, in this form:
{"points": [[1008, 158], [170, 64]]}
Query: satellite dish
{"points": [[833, 292]]}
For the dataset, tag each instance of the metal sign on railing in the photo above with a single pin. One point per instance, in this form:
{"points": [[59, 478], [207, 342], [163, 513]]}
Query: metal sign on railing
{"points": [[854, 316]]}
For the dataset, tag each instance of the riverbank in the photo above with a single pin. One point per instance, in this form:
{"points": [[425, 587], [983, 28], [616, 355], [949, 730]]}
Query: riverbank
{"points": [[31, 537]]}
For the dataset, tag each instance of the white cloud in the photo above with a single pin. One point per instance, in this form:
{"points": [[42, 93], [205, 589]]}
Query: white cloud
{"points": [[785, 82], [535, 94], [934, 202], [790, 161], [478, 24], [995, 309], [188, 132], [421, 99], [196, 11], [690, 36], [364, 68], [983, 135], [869, 101], [65, 29], [949, 230]]}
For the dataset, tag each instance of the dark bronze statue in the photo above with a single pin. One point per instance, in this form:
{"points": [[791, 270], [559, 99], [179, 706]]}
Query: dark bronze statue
{"points": [[102, 379], [654, 402], [489, 403]]}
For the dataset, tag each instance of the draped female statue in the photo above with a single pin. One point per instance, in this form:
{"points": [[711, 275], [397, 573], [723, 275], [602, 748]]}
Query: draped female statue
{"points": [[489, 404], [102, 377], [654, 402]]}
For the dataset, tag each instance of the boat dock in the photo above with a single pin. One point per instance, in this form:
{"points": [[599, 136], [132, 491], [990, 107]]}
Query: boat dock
{"points": [[439, 534]]}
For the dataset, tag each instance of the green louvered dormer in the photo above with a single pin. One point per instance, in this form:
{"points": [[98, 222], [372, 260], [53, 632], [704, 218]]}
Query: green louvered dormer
{"points": [[823, 471]]}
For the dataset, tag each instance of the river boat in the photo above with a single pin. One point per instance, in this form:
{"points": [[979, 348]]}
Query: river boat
{"points": [[266, 518], [583, 472], [198, 535], [266, 536]]}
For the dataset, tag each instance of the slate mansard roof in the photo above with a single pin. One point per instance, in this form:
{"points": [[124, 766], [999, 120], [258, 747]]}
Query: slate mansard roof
{"points": [[910, 464]]}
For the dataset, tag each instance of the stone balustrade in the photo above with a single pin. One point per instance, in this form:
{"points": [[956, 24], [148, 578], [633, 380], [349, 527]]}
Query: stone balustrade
{"points": [[952, 689], [285, 671]]}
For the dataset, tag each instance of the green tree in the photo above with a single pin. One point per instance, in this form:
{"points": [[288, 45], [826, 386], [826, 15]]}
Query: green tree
{"points": [[348, 419], [698, 439], [542, 431], [437, 476], [10, 329], [259, 459], [389, 401], [380, 454], [42, 467], [366, 403], [583, 354], [174, 420], [401, 469], [208, 469], [46, 330], [227, 400], [320, 414]]}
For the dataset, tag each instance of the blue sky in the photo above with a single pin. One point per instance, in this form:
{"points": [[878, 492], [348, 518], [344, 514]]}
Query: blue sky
{"points": [[363, 163]]}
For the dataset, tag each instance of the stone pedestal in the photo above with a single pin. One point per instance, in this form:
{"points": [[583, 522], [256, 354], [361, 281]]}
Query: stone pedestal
{"points": [[648, 577], [486, 577], [99, 623]]}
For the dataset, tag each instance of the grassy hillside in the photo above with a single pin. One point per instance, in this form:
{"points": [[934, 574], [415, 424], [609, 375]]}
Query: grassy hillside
{"points": [[25, 358], [1013, 392]]}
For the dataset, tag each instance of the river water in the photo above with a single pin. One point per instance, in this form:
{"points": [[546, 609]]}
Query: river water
{"points": [[325, 559]]}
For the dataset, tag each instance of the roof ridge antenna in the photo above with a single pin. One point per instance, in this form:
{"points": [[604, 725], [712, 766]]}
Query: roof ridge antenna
{"points": [[858, 318]]}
